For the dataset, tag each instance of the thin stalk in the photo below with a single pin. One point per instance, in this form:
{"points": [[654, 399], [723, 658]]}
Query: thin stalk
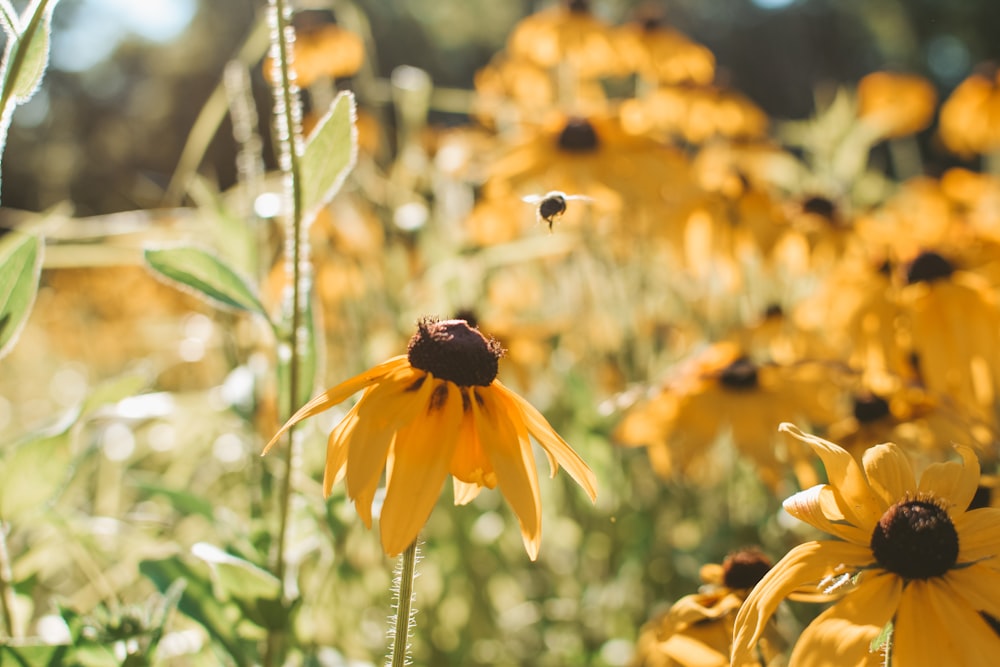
{"points": [[6, 583], [404, 607], [289, 135]]}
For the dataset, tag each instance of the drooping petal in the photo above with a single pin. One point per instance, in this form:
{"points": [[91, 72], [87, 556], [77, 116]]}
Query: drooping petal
{"points": [[505, 440], [384, 410], [979, 536], [935, 627], [842, 635], [859, 505], [336, 452], [953, 482], [889, 473], [558, 451], [818, 507], [422, 454], [470, 463], [805, 564], [464, 492], [338, 394]]}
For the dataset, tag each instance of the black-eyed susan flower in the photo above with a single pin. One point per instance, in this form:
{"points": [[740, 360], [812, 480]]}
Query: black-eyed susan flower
{"points": [[697, 630], [911, 560], [970, 117], [719, 390], [436, 410], [896, 104], [322, 48], [661, 54]]}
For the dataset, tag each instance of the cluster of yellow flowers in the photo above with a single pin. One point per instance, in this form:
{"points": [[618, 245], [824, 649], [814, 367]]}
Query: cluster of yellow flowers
{"points": [[717, 284]]}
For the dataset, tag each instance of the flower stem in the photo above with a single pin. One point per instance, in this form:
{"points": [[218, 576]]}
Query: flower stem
{"points": [[287, 112], [404, 607], [6, 583]]}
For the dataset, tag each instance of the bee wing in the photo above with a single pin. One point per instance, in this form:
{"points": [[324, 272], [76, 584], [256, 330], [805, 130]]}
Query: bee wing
{"points": [[533, 199], [577, 198]]}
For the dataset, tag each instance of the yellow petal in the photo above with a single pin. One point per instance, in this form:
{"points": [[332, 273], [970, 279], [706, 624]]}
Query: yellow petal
{"points": [[470, 462], [953, 482], [978, 585], [464, 492], [505, 439], [860, 506], [336, 451], [555, 447], [383, 411], [818, 507], [422, 454], [889, 473], [979, 536], [934, 626], [805, 564], [332, 397], [842, 635]]}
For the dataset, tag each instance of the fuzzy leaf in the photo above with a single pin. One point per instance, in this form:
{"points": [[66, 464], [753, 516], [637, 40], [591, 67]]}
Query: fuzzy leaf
{"points": [[20, 268], [329, 155], [206, 275]]}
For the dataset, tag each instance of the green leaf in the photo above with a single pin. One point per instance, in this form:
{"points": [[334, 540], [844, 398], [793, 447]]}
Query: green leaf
{"points": [[185, 502], [329, 155], [34, 470], [27, 56], [112, 391], [206, 275], [255, 590], [35, 655], [20, 268], [198, 603], [237, 577]]}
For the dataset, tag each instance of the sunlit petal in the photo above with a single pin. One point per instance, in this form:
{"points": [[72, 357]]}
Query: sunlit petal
{"points": [[818, 507], [953, 482], [422, 453], [860, 505], [889, 473], [386, 408], [805, 564], [979, 536], [465, 493], [558, 450], [336, 451], [332, 397], [506, 443], [842, 635], [978, 585], [934, 627]]}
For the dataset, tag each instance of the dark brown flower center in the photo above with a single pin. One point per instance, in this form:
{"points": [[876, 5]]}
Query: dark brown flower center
{"points": [[916, 540], [741, 374], [870, 408], [744, 568], [454, 351], [928, 267], [578, 136], [578, 6], [821, 206]]}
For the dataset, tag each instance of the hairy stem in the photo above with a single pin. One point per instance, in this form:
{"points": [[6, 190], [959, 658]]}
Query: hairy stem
{"points": [[404, 607], [6, 583]]}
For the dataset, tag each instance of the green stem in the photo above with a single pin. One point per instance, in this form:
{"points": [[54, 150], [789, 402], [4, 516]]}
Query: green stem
{"points": [[404, 607], [289, 136], [6, 583]]}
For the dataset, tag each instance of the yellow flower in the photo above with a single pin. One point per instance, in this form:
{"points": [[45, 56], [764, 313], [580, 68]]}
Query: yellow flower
{"points": [[436, 410], [970, 117], [909, 554], [896, 104], [719, 390], [697, 630]]}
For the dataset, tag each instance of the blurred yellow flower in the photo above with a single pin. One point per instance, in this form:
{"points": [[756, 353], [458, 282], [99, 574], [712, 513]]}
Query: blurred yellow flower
{"points": [[970, 117], [569, 34], [722, 389], [322, 49], [909, 554], [658, 53], [697, 630], [896, 104], [436, 410]]}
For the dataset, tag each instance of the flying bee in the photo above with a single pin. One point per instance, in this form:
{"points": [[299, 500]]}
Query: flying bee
{"points": [[552, 205]]}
